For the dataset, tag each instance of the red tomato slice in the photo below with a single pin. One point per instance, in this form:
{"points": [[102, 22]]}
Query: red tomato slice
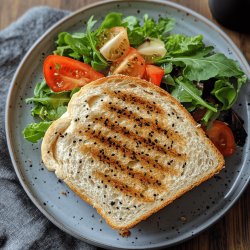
{"points": [[62, 73], [132, 64], [222, 137], [154, 74]]}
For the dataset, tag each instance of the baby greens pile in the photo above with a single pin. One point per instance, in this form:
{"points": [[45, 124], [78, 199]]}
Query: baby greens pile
{"points": [[48, 106], [83, 46], [194, 74]]}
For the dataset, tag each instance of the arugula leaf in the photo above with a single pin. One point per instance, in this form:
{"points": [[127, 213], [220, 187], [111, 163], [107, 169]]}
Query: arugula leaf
{"points": [[49, 105], [159, 29], [54, 100], [165, 25], [209, 117], [48, 113], [41, 89], [131, 22], [73, 46], [181, 93], [168, 67], [60, 40], [181, 45], [35, 131], [240, 81], [92, 39], [78, 45], [135, 31], [204, 68], [82, 46], [185, 91], [150, 28], [64, 51], [135, 37]]}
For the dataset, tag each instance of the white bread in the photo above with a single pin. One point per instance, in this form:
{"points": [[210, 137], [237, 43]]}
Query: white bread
{"points": [[128, 148]]}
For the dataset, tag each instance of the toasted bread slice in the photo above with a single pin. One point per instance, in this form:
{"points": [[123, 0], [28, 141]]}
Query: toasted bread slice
{"points": [[128, 148]]}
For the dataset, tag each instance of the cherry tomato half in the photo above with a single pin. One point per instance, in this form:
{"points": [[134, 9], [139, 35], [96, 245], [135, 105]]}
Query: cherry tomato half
{"points": [[114, 43], [154, 74], [62, 73], [222, 137], [132, 64]]}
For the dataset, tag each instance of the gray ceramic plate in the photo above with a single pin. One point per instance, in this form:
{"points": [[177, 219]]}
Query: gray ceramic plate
{"points": [[201, 207]]}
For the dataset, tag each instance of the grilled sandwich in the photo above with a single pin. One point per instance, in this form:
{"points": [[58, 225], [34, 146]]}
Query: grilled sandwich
{"points": [[128, 148]]}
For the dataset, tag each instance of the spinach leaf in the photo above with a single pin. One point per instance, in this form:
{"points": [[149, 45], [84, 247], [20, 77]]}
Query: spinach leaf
{"points": [[35, 131]]}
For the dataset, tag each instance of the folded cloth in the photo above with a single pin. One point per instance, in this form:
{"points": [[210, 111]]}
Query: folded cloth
{"points": [[22, 225]]}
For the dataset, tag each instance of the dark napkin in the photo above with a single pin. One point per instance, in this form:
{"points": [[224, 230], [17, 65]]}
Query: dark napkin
{"points": [[22, 225]]}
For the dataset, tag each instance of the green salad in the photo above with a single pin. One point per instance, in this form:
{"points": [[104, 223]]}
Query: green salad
{"points": [[205, 82]]}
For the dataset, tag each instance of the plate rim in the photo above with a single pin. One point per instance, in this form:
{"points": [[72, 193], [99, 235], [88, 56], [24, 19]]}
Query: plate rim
{"points": [[25, 186]]}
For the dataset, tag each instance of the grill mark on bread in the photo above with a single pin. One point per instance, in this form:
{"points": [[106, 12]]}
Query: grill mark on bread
{"points": [[146, 160], [153, 124], [122, 187], [144, 179], [140, 140], [132, 98]]}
